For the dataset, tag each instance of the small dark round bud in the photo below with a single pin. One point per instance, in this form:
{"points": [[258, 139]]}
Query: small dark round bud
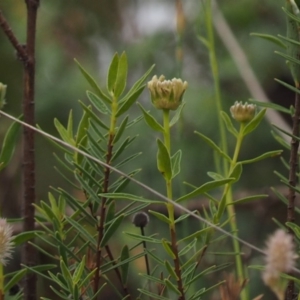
{"points": [[140, 219]]}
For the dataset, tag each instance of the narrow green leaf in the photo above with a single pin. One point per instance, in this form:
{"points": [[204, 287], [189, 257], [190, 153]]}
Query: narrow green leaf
{"points": [[247, 199], [137, 85], [215, 176], [67, 275], [203, 291], [271, 105], [289, 58], [270, 38], [213, 145], [152, 123], [121, 75], [129, 101], [160, 216], [205, 188], [110, 212], [283, 199], [204, 41], [280, 140], [79, 271], [98, 103], [287, 133], [195, 235], [142, 238], [112, 73], [187, 248], [125, 267], [271, 154], [111, 230], [152, 295], [63, 132], [171, 286], [175, 162], [170, 269], [84, 233], [9, 144], [70, 123], [122, 147], [229, 124], [15, 280], [93, 116], [93, 84], [294, 227], [177, 114], [290, 87], [129, 197], [236, 172], [23, 237], [254, 122], [163, 160], [168, 248]]}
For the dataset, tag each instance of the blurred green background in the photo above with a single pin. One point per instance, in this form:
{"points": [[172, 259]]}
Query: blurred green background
{"points": [[92, 31]]}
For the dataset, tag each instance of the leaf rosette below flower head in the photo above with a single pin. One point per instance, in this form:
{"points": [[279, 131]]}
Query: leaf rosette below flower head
{"points": [[166, 94]]}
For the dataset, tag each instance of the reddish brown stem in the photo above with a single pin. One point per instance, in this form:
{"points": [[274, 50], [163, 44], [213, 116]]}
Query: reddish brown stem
{"points": [[12, 38], [293, 179], [27, 56], [29, 252], [103, 213], [117, 271], [177, 264]]}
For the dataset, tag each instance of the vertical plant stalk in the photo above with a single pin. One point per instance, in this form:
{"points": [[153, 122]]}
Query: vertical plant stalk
{"points": [[223, 137], [215, 73], [101, 225], [170, 207], [27, 56], [146, 255], [29, 252], [293, 179], [180, 22]]}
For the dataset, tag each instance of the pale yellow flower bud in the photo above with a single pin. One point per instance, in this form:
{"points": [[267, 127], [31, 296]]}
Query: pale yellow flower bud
{"points": [[6, 244], [243, 112], [166, 94]]}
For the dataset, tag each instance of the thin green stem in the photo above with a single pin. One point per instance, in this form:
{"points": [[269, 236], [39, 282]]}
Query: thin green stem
{"points": [[170, 207], [215, 73], [231, 213], [223, 141]]}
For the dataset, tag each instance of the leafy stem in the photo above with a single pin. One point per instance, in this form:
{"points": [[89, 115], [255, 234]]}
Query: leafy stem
{"points": [[231, 209], [293, 177], [101, 224], [170, 206]]}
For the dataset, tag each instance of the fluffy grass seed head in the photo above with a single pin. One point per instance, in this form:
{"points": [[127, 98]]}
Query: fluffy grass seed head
{"points": [[6, 244], [166, 94], [280, 258], [243, 112]]}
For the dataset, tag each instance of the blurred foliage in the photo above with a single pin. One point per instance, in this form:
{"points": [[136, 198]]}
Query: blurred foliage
{"points": [[92, 31]]}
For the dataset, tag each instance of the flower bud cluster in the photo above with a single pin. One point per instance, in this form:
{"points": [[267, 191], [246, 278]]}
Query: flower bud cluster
{"points": [[243, 112], [166, 94]]}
